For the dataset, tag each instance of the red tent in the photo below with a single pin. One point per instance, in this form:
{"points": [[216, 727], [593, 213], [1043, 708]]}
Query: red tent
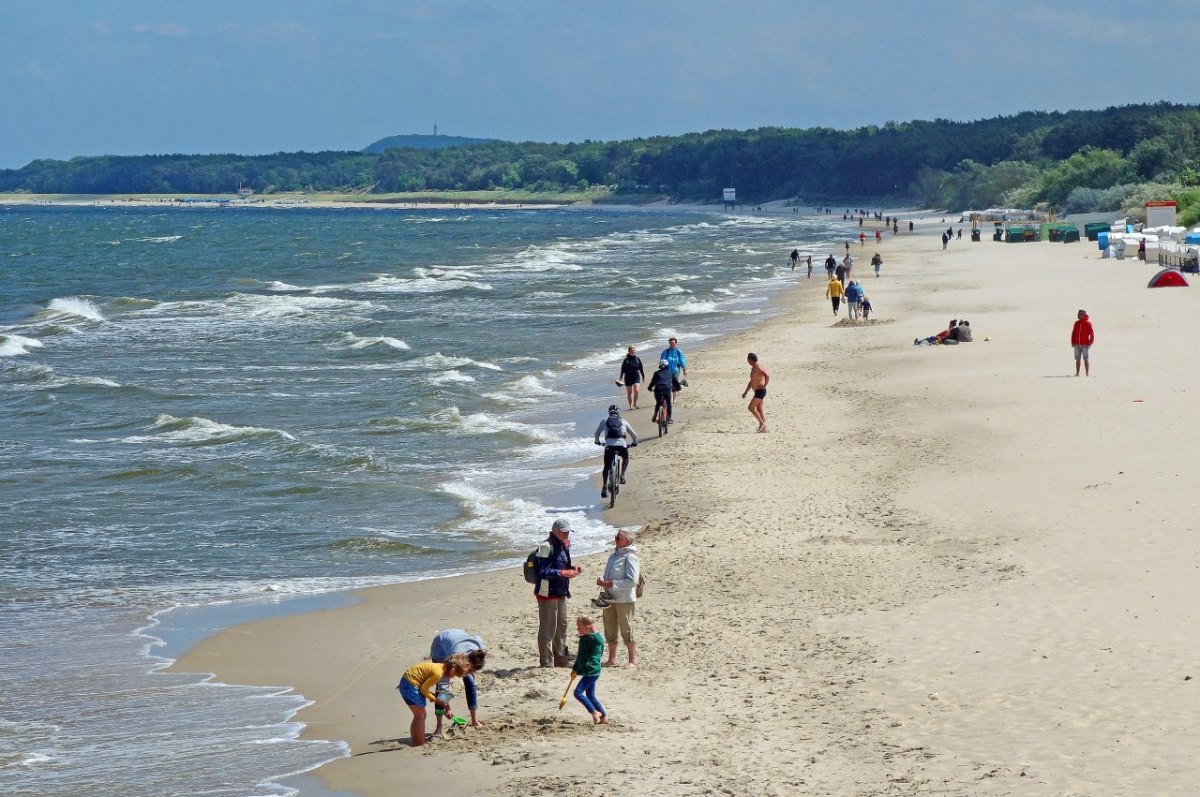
{"points": [[1167, 278]]}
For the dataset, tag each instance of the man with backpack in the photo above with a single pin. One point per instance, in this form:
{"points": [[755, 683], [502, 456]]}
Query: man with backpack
{"points": [[615, 430], [551, 570]]}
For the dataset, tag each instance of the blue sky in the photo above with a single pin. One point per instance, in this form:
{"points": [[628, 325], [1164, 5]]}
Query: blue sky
{"points": [[251, 76]]}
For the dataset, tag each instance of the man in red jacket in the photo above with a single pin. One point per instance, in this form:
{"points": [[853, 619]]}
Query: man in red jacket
{"points": [[1082, 337]]}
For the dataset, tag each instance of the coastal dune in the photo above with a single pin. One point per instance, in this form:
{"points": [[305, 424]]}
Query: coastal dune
{"points": [[956, 570]]}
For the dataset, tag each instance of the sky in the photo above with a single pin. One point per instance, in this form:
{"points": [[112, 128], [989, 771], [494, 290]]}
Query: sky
{"points": [[133, 77]]}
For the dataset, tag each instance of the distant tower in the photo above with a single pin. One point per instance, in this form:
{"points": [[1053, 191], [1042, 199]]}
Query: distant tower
{"points": [[435, 128]]}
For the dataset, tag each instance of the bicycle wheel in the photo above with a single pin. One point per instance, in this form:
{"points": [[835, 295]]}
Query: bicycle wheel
{"points": [[614, 482]]}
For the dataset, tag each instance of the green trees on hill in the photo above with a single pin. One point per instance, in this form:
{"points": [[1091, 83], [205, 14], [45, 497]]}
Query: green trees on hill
{"points": [[1083, 160]]}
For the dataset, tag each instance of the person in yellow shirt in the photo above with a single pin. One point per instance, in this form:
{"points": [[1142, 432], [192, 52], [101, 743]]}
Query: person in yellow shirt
{"points": [[419, 684], [834, 292]]}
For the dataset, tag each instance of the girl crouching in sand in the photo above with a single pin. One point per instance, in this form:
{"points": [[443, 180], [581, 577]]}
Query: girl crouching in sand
{"points": [[420, 684], [587, 667]]}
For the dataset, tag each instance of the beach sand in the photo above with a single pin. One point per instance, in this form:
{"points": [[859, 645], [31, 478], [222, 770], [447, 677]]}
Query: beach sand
{"points": [[950, 570]]}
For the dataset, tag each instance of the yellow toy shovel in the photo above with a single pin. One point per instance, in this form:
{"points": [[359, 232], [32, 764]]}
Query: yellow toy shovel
{"points": [[563, 702]]}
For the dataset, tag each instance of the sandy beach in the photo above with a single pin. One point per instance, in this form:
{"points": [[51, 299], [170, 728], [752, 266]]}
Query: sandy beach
{"points": [[944, 570]]}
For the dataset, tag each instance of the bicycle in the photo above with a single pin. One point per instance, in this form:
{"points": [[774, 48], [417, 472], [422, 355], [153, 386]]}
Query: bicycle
{"points": [[662, 414], [615, 471]]}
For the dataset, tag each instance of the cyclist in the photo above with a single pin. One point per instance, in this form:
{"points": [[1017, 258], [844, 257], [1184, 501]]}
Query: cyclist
{"points": [[663, 384], [615, 429]]}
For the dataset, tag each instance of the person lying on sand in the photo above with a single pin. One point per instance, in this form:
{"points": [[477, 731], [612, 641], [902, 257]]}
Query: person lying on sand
{"points": [[940, 337]]}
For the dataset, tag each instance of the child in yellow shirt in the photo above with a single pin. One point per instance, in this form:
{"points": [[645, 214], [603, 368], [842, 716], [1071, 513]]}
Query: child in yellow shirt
{"points": [[420, 684]]}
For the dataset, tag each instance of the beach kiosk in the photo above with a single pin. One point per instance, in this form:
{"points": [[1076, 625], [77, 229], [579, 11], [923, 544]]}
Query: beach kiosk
{"points": [[729, 197]]}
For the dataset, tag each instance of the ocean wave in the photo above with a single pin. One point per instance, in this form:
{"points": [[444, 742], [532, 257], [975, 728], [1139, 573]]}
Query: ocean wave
{"points": [[696, 308], [674, 289], [512, 519], [526, 390], [481, 423], [439, 360], [388, 284], [381, 544], [449, 377], [16, 345], [74, 306], [362, 343], [132, 302], [257, 307], [161, 239], [282, 287], [194, 430], [43, 377]]}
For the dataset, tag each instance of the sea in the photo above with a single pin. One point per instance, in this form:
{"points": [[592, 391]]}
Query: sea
{"points": [[209, 415]]}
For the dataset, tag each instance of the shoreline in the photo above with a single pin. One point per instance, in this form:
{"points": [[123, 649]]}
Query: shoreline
{"points": [[866, 581]]}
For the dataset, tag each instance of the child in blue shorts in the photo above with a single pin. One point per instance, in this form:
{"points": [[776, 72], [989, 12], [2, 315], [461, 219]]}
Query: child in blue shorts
{"points": [[419, 684]]}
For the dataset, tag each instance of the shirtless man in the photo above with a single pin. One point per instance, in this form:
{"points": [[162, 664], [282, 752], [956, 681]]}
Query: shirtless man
{"points": [[758, 383]]}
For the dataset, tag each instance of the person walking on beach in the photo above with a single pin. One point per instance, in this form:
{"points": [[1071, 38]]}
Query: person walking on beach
{"points": [[758, 383], [446, 644], [676, 361], [554, 573], [810, 267], [830, 265], [853, 300], [840, 273], [795, 258], [631, 376], [877, 261], [619, 599], [866, 308], [847, 264], [834, 292], [419, 685], [1082, 337], [587, 667], [945, 241]]}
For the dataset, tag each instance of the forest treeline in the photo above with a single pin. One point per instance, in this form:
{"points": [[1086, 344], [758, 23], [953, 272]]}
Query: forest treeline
{"points": [[1077, 160]]}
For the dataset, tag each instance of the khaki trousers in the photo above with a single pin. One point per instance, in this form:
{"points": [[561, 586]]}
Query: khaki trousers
{"points": [[552, 631], [619, 616]]}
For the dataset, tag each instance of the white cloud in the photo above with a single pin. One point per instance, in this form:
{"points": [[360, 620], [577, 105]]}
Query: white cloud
{"points": [[100, 26], [161, 28]]}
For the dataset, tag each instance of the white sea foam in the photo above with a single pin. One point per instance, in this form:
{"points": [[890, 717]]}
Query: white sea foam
{"points": [[362, 343], [674, 289], [257, 307], [490, 515], [696, 308], [449, 377], [388, 284], [193, 429], [16, 345], [439, 360], [161, 239], [76, 306], [276, 285], [526, 390], [482, 423]]}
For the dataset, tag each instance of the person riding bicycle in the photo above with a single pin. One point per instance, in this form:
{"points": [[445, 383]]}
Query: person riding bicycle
{"points": [[615, 429], [664, 384]]}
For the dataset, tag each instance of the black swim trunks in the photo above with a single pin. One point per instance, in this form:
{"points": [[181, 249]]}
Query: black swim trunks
{"points": [[760, 393]]}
